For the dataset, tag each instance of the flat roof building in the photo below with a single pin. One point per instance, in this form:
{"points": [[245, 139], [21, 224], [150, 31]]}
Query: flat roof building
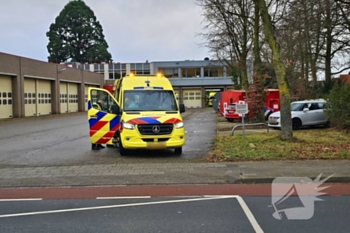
{"points": [[191, 79], [30, 87]]}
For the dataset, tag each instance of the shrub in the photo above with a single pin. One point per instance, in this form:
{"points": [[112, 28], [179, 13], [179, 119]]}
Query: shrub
{"points": [[256, 100], [338, 106]]}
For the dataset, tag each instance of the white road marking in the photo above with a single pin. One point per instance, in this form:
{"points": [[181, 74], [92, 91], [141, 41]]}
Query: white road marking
{"points": [[26, 199], [246, 210], [126, 197], [108, 207], [240, 200], [249, 215]]}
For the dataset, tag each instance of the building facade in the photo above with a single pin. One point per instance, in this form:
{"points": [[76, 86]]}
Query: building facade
{"points": [[192, 80], [33, 88]]}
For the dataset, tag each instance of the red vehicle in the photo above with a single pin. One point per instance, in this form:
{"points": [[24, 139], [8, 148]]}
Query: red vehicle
{"points": [[230, 98], [108, 88]]}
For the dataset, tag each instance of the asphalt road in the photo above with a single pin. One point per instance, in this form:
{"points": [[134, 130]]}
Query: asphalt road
{"points": [[172, 214], [64, 140]]}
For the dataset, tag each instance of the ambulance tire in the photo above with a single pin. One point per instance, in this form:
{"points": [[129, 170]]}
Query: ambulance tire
{"points": [[178, 150], [122, 150]]}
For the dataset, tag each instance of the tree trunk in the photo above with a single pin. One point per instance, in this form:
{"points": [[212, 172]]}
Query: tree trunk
{"points": [[280, 69], [257, 60], [328, 56]]}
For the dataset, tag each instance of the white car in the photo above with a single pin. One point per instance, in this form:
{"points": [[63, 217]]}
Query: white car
{"points": [[304, 113]]}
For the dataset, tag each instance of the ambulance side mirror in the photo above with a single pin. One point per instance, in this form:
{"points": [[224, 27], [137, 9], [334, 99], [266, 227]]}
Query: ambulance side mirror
{"points": [[115, 109], [182, 108]]}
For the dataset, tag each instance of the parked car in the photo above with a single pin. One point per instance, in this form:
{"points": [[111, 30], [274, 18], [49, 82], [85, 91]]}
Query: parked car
{"points": [[230, 113], [304, 113]]}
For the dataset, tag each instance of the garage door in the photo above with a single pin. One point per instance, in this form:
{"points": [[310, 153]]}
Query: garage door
{"points": [[86, 89], [72, 97], [5, 97], [63, 97], [192, 98], [177, 95], [29, 97], [44, 97]]}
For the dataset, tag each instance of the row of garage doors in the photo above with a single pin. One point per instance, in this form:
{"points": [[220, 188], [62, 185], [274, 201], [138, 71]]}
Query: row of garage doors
{"points": [[38, 97], [191, 98]]}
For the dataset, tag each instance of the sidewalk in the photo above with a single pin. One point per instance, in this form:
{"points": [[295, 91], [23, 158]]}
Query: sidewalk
{"points": [[172, 173]]}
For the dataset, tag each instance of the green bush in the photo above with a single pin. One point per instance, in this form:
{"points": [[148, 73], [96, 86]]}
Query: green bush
{"points": [[338, 106]]}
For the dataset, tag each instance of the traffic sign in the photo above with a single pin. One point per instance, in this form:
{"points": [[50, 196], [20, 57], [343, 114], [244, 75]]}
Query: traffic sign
{"points": [[242, 108]]}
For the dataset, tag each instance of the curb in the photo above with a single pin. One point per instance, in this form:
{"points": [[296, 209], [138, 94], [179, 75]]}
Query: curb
{"points": [[341, 179]]}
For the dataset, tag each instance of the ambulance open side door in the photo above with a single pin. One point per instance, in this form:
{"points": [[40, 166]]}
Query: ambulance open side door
{"points": [[102, 123]]}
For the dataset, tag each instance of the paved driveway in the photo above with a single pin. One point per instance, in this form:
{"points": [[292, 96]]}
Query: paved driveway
{"points": [[63, 140]]}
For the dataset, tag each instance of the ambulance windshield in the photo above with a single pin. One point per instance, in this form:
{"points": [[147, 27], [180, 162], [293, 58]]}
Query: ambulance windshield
{"points": [[149, 100]]}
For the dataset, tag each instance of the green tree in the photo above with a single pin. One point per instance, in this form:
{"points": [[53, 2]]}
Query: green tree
{"points": [[338, 105], [77, 36]]}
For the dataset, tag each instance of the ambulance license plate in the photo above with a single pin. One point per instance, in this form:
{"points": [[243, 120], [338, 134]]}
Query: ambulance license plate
{"points": [[156, 145]]}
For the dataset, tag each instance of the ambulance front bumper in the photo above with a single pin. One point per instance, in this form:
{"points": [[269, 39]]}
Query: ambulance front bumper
{"points": [[131, 139]]}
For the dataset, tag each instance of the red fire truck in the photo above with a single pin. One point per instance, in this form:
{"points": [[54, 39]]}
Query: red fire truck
{"points": [[230, 98]]}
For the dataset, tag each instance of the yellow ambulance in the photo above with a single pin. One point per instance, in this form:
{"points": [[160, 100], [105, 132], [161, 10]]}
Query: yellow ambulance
{"points": [[141, 113], [210, 98]]}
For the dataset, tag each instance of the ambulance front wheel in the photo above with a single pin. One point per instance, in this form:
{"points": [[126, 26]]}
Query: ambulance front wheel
{"points": [[122, 150], [178, 150]]}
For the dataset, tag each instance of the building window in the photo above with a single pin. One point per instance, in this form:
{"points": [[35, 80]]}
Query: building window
{"points": [[117, 71], [213, 71], [140, 68], [169, 72], [191, 72]]}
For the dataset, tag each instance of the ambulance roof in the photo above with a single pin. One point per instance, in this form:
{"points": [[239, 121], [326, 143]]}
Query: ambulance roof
{"points": [[138, 81]]}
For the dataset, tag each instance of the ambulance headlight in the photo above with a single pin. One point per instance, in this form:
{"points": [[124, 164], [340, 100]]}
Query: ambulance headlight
{"points": [[179, 125], [128, 125]]}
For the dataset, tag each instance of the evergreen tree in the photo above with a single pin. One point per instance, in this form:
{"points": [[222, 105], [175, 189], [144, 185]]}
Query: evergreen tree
{"points": [[338, 105], [77, 36]]}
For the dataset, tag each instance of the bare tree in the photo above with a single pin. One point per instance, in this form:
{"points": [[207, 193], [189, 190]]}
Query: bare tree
{"points": [[229, 32], [314, 38], [344, 7]]}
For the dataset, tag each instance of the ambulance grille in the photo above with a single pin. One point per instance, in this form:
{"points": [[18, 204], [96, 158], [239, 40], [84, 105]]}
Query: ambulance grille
{"points": [[154, 129]]}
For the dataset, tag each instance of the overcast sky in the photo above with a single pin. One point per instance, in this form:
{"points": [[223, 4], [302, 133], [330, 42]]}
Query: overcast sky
{"points": [[135, 30]]}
